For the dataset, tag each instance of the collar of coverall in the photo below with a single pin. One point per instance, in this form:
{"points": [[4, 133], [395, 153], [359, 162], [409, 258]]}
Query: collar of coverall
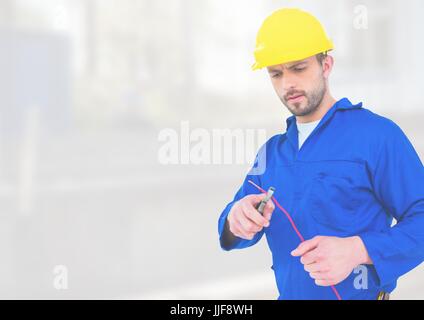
{"points": [[342, 104]]}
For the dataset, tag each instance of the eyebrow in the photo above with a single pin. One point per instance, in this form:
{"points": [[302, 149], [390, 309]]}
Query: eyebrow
{"points": [[274, 70], [290, 67], [297, 64]]}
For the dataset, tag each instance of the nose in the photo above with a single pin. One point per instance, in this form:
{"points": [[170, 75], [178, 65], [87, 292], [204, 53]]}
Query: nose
{"points": [[288, 82]]}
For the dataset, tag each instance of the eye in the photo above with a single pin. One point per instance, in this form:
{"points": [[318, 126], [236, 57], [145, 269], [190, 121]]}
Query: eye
{"points": [[276, 75], [299, 69]]}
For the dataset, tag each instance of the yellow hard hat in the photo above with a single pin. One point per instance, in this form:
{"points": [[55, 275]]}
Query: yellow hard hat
{"points": [[289, 35]]}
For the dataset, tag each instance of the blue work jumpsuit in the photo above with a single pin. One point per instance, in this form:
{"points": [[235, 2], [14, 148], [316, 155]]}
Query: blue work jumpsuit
{"points": [[354, 173]]}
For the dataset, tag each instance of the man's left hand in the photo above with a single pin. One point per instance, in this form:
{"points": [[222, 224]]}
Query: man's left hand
{"points": [[330, 260]]}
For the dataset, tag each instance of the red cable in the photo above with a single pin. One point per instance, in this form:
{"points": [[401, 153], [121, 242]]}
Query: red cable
{"points": [[293, 225]]}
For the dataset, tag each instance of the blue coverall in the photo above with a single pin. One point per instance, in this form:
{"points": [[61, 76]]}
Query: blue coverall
{"points": [[354, 173]]}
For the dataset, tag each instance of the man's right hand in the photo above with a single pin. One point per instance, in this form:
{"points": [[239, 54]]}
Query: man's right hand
{"points": [[244, 221]]}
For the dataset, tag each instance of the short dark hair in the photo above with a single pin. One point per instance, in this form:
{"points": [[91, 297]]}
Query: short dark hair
{"points": [[321, 56]]}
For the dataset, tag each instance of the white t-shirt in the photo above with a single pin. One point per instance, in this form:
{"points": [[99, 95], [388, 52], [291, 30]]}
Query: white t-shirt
{"points": [[305, 129]]}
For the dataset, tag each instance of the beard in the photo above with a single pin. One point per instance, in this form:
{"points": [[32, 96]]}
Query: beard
{"points": [[309, 104]]}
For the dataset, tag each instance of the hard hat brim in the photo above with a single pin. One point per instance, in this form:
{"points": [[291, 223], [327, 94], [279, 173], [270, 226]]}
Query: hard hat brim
{"points": [[258, 66]]}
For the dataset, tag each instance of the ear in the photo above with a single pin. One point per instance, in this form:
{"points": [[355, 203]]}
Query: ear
{"points": [[327, 66]]}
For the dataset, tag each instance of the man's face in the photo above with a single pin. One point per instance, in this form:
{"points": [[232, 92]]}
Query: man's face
{"points": [[301, 85]]}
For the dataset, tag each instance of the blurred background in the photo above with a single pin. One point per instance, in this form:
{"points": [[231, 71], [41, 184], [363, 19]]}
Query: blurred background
{"points": [[87, 88]]}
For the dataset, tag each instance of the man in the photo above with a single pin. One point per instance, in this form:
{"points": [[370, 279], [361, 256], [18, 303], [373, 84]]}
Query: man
{"points": [[341, 171]]}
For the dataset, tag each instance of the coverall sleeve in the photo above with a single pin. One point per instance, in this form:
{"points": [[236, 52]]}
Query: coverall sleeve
{"points": [[398, 180], [246, 188]]}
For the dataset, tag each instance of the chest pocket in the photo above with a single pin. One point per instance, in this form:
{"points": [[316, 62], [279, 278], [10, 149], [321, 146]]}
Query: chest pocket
{"points": [[335, 194]]}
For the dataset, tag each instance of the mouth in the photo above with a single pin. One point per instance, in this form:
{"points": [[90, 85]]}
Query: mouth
{"points": [[295, 98]]}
